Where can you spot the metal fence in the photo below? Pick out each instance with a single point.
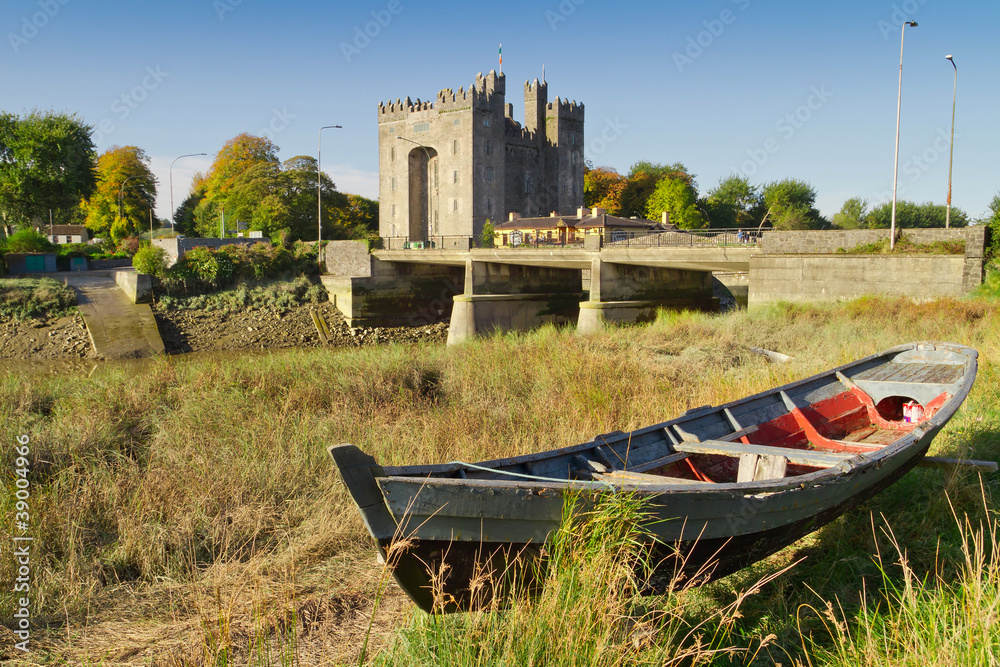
(616, 239)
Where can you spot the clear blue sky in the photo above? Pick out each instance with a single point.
(770, 89)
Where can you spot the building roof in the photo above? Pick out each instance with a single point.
(65, 230)
(605, 220)
(547, 222)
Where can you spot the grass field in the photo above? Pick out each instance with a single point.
(21, 298)
(187, 513)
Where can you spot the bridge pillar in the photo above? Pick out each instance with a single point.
(513, 297)
(371, 292)
(627, 293)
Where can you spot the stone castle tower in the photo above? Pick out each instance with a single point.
(448, 166)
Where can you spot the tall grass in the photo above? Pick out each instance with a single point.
(938, 619)
(589, 612)
(165, 491)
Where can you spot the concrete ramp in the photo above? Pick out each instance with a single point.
(118, 328)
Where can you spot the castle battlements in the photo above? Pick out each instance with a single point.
(479, 95)
(565, 109)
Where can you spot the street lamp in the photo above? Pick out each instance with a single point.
(427, 152)
(121, 193)
(895, 169)
(319, 193)
(172, 187)
(951, 150)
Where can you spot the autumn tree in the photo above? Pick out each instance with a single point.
(602, 188)
(243, 158)
(361, 215)
(46, 164)
(125, 194)
(641, 182)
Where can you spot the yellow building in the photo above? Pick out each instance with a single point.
(571, 230)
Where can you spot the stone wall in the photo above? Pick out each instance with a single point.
(830, 241)
(138, 287)
(840, 277)
(176, 247)
(780, 242)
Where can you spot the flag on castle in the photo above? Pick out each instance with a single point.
(500, 53)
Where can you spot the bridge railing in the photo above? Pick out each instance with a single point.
(689, 238)
(737, 237)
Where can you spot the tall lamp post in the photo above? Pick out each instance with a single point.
(319, 193)
(951, 150)
(895, 169)
(121, 194)
(172, 187)
(427, 152)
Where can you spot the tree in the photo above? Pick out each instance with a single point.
(184, 222)
(125, 178)
(641, 183)
(734, 202)
(361, 214)
(993, 220)
(911, 216)
(853, 214)
(790, 205)
(602, 188)
(678, 199)
(46, 164)
(278, 199)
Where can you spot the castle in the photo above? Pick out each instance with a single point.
(448, 166)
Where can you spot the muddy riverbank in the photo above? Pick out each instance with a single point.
(185, 331)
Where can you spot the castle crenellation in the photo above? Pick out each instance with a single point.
(449, 165)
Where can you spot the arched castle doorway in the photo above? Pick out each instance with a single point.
(423, 192)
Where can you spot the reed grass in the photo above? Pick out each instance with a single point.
(171, 492)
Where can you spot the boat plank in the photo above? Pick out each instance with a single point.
(794, 456)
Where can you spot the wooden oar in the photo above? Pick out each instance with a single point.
(941, 462)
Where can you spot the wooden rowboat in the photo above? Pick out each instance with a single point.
(727, 485)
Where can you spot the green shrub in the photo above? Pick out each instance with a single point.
(28, 240)
(150, 259)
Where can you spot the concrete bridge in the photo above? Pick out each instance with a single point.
(522, 288)
(596, 283)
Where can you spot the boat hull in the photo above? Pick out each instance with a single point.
(457, 534)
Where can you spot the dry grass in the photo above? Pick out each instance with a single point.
(187, 510)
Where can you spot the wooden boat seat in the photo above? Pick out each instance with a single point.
(626, 477)
(802, 457)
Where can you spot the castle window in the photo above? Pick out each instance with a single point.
(489, 147)
(527, 183)
(454, 147)
(456, 122)
(392, 154)
(489, 173)
(454, 205)
(486, 121)
(422, 127)
(393, 186)
(489, 205)
(455, 177)
(394, 210)
(574, 139)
